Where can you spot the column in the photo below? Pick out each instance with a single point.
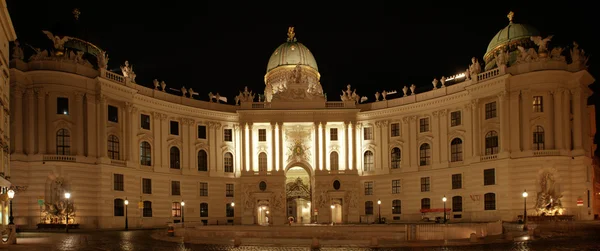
(343, 147)
(385, 149)
(238, 148)
(79, 129)
(280, 147)
(436, 142)
(548, 107)
(320, 143)
(468, 143)
(317, 144)
(134, 124)
(405, 133)
(92, 130)
(444, 143)
(566, 119)
(313, 137)
(186, 151)
(526, 106)
(219, 140)
(515, 122)
(504, 133)
(271, 147)
(192, 146)
(102, 117)
(324, 146)
(379, 148)
(359, 147)
(578, 110)
(156, 143)
(251, 147)
(17, 116)
(29, 122)
(247, 147)
(557, 113)
(351, 146)
(476, 128)
(41, 124)
(277, 147)
(414, 150)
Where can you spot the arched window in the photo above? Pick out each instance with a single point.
(425, 203)
(538, 138)
(262, 162)
(119, 206)
(425, 155)
(456, 153)
(396, 207)
(63, 142)
(203, 209)
(396, 157)
(174, 152)
(145, 154)
(491, 143)
(113, 147)
(368, 207)
(334, 162)
(457, 204)
(202, 161)
(368, 161)
(228, 163)
(147, 211)
(489, 201)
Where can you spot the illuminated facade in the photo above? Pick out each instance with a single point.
(479, 138)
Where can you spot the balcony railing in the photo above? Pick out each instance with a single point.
(489, 157)
(546, 152)
(66, 158)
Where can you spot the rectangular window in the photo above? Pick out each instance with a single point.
(333, 134)
(204, 210)
(489, 177)
(228, 190)
(489, 201)
(457, 204)
(368, 133)
(538, 104)
(203, 189)
(262, 135)
(119, 182)
(113, 114)
(396, 207)
(369, 207)
(456, 181)
(229, 210)
(202, 132)
(146, 186)
(227, 135)
(369, 188)
(490, 110)
(424, 125)
(147, 211)
(395, 129)
(425, 184)
(395, 186)
(62, 105)
(175, 188)
(176, 209)
(455, 118)
(174, 128)
(425, 203)
(145, 121)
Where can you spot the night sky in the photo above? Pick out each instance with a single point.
(222, 47)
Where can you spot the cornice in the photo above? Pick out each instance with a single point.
(206, 114)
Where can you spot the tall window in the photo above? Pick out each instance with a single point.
(456, 181)
(455, 119)
(262, 162)
(118, 182)
(491, 143)
(228, 163)
(395, 129)
(490, 110)
(456, 150)
(176, 209)
(396, 157)
(368, 133)
(368, 161)
(119, 206)
(227, 135)
(174, 128)
(203, 209)
(145, 154)
(424, 125)
(202, 132)
(369, 207)
(146, 186)
(333, 134)
(174, 152)
(113, 114)
(396, 207)
(113, 147)
(63, 142)
(145, 121)
(202, 161)
(228, 190)
(147, 211)
(175, 188)
(425, 184)
(62, 105)
(538, 138)
(538, 104)
(489, 201)
(395, 186)
(489, 177)
(334, 163)
(262, 135)
(203, 189)
(424, 155)
(229, 210)
(457, 204)
(369, 188)
(425, 203)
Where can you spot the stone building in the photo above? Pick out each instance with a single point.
(479, 138)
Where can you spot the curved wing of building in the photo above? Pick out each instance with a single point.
(478, 138)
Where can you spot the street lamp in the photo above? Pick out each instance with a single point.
(182, 212)
(126, 218)
(379, 205)
(11, 195)
(525, 209)
(332, 207)
(444, 200)
(67, 196)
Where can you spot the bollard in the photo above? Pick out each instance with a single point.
(237, 241)
(315, 243)
(473, 237)
(374, 242)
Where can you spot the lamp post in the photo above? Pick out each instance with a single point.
(444, 200)
(126, 217)
(67, 196)
(379, 205)
(11, 195)
(525, 209)
(332, 207)
(182, 212)
(233, 208)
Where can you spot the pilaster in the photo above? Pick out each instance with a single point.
(79, 129)
(41, 123)
(527, 107)
(504, 133)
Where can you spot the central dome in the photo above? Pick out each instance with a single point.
(291, 53)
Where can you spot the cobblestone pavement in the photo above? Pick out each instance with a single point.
(141, 240)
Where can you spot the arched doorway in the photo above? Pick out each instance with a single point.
(263, 213)
(298, 195)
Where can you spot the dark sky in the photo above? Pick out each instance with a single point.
(223, 47)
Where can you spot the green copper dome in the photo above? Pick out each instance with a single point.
(291, 53)
(510, 33)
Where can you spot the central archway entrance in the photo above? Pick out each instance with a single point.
(298, 195)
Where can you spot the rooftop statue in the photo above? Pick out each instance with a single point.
(291, 34)
(18, 51)
(526, 55)
(102, 60)
(156, 84)
(542, 43)
(443, 81)
(502, 58)
(434, 83)
(475, 67)
(59, 43)
(578, 55)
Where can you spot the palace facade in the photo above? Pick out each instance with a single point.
(520, 122)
